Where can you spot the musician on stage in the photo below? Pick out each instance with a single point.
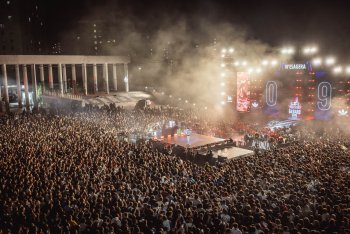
(188, 134)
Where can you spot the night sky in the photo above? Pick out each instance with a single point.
(326, 23)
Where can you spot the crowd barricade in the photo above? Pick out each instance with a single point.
(63, 95)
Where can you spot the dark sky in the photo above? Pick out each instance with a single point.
(326, 23)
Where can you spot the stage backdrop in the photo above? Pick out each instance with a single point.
(243, 92)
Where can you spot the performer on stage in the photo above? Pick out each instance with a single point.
(188, 134)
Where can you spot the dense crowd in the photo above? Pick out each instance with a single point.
(71, 174)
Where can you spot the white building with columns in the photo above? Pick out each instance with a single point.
(29, 63)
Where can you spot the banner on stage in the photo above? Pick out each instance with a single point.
(243, 92)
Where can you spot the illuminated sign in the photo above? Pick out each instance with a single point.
(294, 109)
(300, 66)
(255, 104)
(243, 92)
(342, 112)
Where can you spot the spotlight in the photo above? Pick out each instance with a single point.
(274, 62)
(317, 61)
(337, 69)
(265, 62)
(287, 50)
(330, 61)
(347, 70)
(310, 50)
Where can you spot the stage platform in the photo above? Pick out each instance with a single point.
(196, 140)
(232, 153)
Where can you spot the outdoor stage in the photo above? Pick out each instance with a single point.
(196, 140)
(219, 146)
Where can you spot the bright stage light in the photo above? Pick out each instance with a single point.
(313, 49)
(274, 62)
(287, 50)
(330, 61)
(310, 50)
(223, 51)
(306, 50)
(265, 62)
(347, 70)
(337, 69)
(231, 50)
(317, 61)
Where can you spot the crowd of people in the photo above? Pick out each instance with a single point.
(72, 174)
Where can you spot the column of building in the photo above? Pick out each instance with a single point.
(6, 94)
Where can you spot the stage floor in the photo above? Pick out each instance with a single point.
(196, 140)
(232, 153)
